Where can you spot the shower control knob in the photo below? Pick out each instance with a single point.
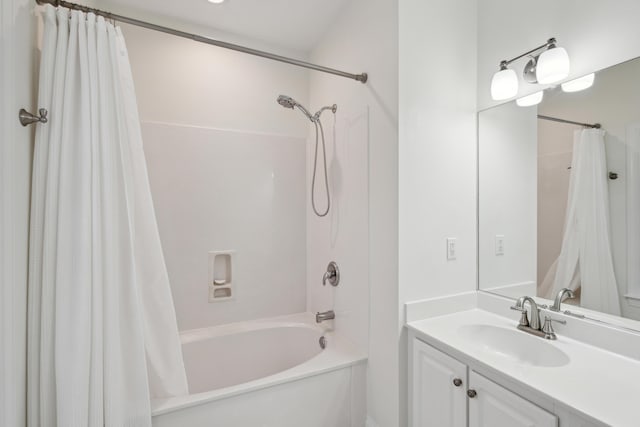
(332, 275)
(471, 393)
(457, 382)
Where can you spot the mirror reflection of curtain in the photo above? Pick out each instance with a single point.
(585, 260)
(633, 210)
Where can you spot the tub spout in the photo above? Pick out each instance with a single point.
(325, 315)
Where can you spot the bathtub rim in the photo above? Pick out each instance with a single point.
(339, 354)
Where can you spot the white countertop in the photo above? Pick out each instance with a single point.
(596, 383)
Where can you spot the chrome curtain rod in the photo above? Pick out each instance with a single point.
(74, 6)
(555, 119)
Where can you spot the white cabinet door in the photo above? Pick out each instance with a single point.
(495, 406)
(438, 388)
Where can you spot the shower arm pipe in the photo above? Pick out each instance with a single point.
(333, 109)
(363, 77)
(571, 122)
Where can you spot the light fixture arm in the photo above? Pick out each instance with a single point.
(551, 43)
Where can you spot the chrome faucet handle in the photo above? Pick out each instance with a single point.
(563, 294)
(547, 328)
(332, 275)
(524, 320)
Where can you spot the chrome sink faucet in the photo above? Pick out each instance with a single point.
(533, 326)
(534, 321)
(563, 294)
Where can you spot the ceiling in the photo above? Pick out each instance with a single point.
(293, 24)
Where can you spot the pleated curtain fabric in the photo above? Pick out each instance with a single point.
(586, 259)
(102, 332)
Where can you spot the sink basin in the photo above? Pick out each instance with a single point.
(515, 345)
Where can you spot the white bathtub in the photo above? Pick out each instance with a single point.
(270, 372)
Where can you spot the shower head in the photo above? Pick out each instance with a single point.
(288, 102)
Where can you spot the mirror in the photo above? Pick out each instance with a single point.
(559, 202)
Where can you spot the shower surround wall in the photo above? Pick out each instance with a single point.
(361, 231)
(227, 172)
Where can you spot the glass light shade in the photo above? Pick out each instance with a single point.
(530, 100)
(579, 84)
(553, 65)
(504, 85)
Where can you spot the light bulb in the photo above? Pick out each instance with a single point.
(530, 100)
(504, 85)
(581, 83)
(553, 65)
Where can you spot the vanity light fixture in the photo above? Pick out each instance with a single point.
(216, 1)
(581, 83)
(530, 100)
(504, 84)
(552, 65)
(548, 64)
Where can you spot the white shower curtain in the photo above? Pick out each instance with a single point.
(585, 258)
(102, 336)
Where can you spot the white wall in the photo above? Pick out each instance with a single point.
(437, 147)
(227, 168)
(595, 33)
(17, 84)
(437, 151)
(364, 39)
(507, 159)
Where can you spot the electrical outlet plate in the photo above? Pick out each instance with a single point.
(499, 245)
(452, 248)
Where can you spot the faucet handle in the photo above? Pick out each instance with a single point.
(549, 319)
(547, 328)
(524, 320)
(332, 275)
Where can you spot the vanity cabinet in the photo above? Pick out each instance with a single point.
(494, 406)
(446, 393)
(438, 389)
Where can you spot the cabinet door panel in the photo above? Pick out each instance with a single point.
(495, 406)
(437, 402)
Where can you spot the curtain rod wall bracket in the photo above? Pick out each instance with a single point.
(26, 118)
(362, 77)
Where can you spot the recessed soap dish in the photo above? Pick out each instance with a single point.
(220, 278)
(222, 293)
